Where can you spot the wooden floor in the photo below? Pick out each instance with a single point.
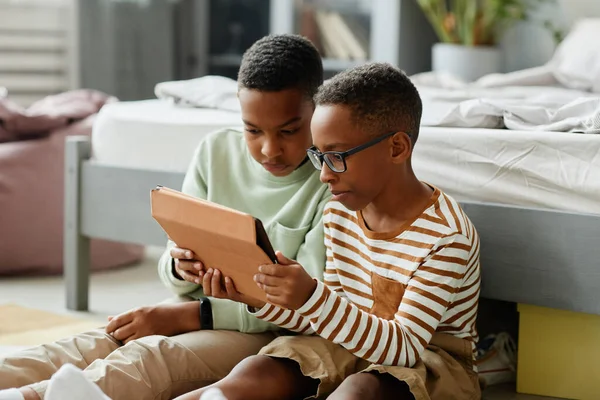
(508, 392)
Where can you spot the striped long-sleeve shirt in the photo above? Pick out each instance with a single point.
(385, 294)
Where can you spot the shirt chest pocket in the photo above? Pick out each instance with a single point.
(287, 240)
(387, 296)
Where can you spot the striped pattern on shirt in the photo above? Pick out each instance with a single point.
(434, 259)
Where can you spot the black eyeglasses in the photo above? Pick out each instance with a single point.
(336, 160)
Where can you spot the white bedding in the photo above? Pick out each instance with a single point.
(553, 170)
(563, 95)
(154, 134)
(517, 108)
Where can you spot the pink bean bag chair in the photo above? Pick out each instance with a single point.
(32, 145)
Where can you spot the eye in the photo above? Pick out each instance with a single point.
(289, 131)
(252, 131)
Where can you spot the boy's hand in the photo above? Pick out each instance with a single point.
(286, 284)
(214, 285)
(187, 265)
(162, 319)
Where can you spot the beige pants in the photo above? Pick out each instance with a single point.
(154, 367)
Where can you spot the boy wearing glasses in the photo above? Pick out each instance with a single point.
(395, 316)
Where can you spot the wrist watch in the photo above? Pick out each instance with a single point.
(206, 317)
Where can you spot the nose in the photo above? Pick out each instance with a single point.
(327, 175)
(271, 148)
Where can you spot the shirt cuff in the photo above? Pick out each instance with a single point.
(177, 281)
(314, 305)
(174, 271)
(262, 313)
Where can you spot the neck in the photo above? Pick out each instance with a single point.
(401, 201)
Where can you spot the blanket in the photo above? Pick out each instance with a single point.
(563, 95)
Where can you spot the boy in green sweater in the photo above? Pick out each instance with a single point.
(162, 351)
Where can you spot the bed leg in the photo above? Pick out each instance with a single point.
(76, 251)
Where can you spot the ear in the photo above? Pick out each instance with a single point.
(401, 148)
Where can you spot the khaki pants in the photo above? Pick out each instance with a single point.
(154, 367)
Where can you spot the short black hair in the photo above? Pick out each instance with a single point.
(279, 62)
(380, 96)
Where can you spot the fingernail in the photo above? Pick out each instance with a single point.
(255, 278)
(210, 271)
(198, 281)
(188, 254)
(217, 272)
(260, 269)
(201, 274)
(198, 266)
(227, 280)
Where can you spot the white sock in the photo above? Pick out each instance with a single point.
(11, 394)
(69, 382)
(213, 394)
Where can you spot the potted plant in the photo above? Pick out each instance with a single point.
(469, 31)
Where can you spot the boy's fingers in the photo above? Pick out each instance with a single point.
(130, 338)
(118, 321)
(187, 276)
(216, 284)
(272, 270)
(281, 259)
(232, 292)
(206, 282)
(267, 280)
(124, 332)
(182, 254)
(270, 290)
(188, 266)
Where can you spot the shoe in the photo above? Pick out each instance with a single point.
(497, 359)
(69, 382)
(11, 394)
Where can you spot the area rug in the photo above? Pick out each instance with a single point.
(22, 327)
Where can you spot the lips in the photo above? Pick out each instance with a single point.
(273, 167)
(338, 195)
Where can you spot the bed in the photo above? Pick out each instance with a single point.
(533, 196)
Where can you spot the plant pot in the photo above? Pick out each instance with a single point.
(466, 62)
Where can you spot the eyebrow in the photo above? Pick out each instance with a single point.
(291, 121)
(333, 146)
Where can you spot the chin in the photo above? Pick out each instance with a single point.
(351, 203)
(281, 174)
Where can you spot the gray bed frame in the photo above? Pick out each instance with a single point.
(532, 256)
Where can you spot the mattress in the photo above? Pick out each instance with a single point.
(552, 170)
(154, 134)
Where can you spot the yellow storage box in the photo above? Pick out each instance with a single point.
(559, 353)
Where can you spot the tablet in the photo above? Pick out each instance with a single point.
(222, 238)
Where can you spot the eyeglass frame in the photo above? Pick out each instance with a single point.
(344, 154)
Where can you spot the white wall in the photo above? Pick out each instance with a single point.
(529, 44)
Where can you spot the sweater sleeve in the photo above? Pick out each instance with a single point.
(194, 184)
